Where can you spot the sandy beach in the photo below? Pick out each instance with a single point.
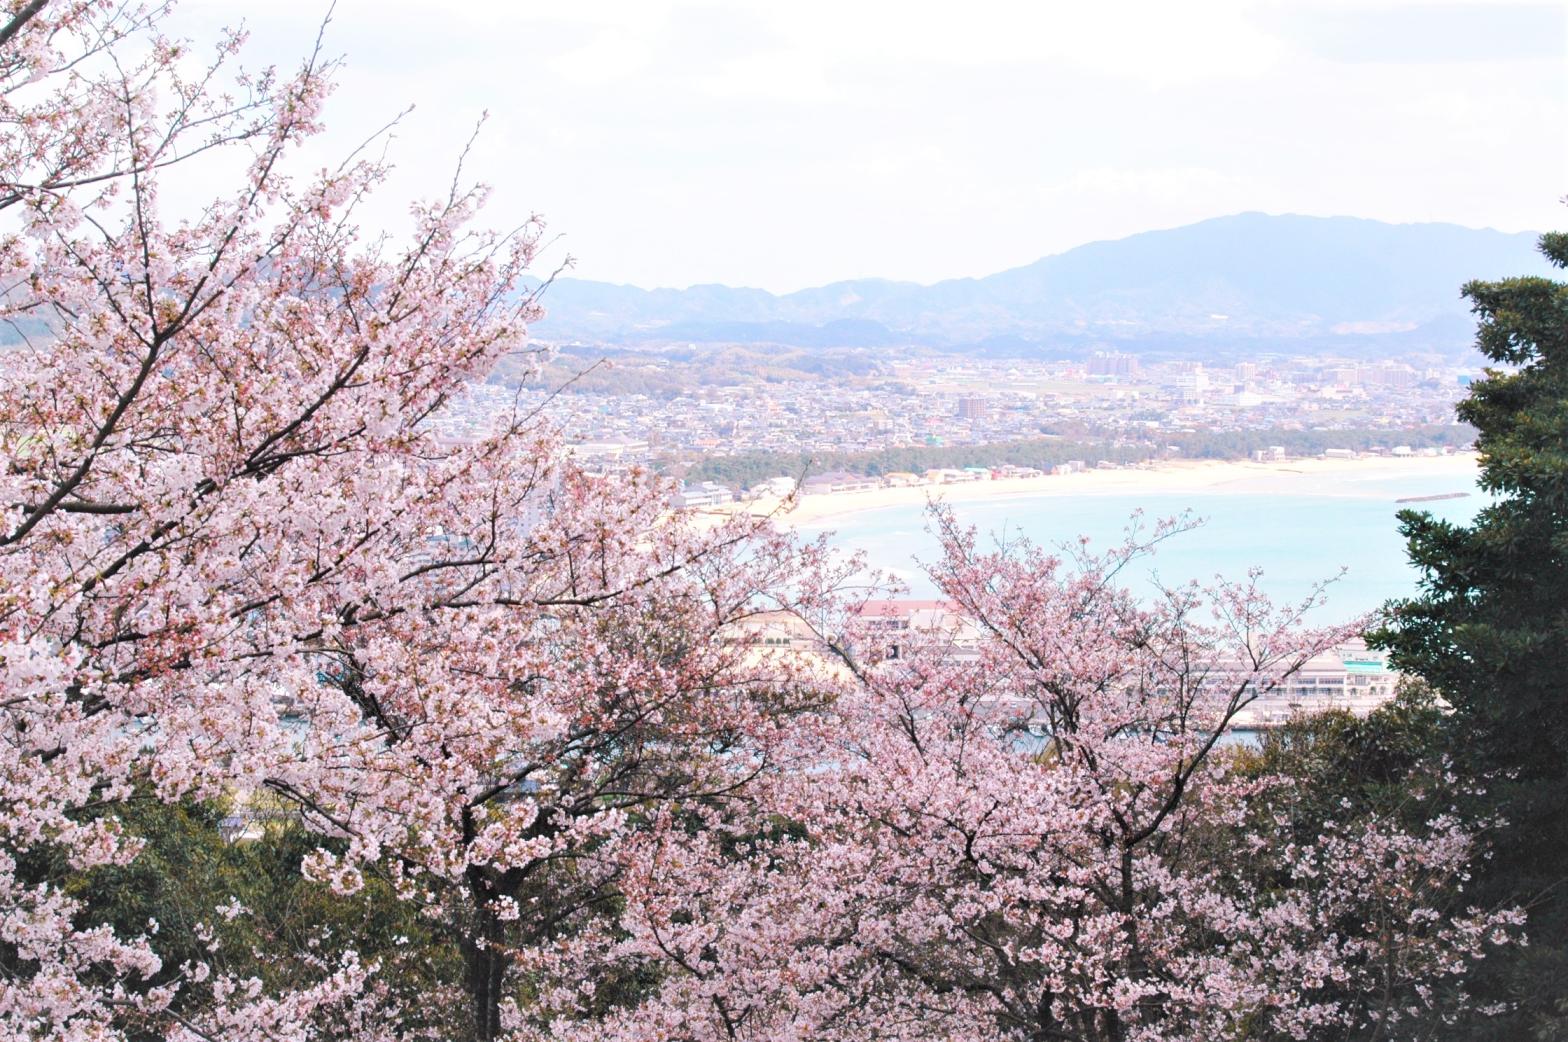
(1329, 477)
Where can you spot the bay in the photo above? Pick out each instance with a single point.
(1299, 532)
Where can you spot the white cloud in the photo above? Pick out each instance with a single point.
(788, 144)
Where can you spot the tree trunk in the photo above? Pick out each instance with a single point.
(485, 961)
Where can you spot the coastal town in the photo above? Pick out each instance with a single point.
(1125, 411)
(1389, 415)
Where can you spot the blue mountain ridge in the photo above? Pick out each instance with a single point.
(1246, 281)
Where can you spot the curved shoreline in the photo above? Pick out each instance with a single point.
(1325, 477)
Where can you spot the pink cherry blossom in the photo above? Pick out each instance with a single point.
(235, 559)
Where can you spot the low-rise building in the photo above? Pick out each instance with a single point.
(703, 494)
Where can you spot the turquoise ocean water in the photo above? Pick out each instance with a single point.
(1297, 534)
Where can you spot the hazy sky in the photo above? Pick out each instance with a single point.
(790, 144)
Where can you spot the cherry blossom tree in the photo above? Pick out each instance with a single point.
(238, 558)
(498, 763)
(1040, 837)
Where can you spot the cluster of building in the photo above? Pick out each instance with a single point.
(955, 401)
(1349, 677)
(844, 481)
(938, 401)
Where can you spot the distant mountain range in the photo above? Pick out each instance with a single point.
(1249, 282)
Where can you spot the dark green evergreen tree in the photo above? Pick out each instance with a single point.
(1489, 631)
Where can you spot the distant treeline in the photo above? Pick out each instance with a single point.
(1238, 444)
(748, 468)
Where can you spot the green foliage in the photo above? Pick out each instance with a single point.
(1385, 763)
(748, 468)
(1241, 444)
(1490, 628)
(1342, 771)
(291, 927)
